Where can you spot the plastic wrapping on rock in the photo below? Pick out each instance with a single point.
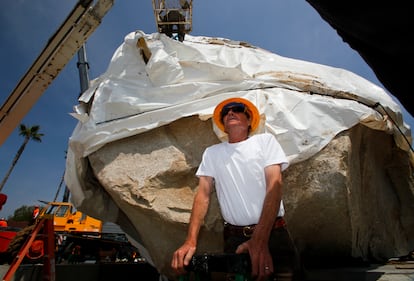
(305, 105)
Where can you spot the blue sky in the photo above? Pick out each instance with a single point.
(288, 28)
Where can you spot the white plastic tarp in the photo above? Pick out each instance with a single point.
(303, 104)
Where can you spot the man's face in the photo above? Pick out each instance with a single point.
(235, 114)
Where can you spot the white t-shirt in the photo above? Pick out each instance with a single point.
(238, 172)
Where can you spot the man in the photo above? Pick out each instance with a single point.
(247, 174)
(172, 18)
(35, 214)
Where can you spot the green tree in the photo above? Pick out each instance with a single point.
(28, 133)
(24, 213)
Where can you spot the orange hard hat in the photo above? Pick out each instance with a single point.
(251, 110)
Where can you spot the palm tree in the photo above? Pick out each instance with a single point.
(28, 133)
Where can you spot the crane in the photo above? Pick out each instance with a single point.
(173, 16)
(82, 21)
(70, 37)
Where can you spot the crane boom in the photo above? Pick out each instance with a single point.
(59, 50)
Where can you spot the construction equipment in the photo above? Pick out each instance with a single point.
(66, 219)
(80, 237)
(50, 270)
(77, 238)
(83, 20)
(61, 47)
(44, 228)
(173, 17)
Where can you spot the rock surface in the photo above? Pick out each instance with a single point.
(353, 199)
(143, 127)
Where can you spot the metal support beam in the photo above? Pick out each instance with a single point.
(61, 47)
(45, 226)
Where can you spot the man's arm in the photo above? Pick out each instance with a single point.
(271, 202)
(258, 245)
(183, 255)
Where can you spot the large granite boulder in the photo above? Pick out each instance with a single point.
(144, 124)
(353, 199)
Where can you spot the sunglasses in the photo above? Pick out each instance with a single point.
(236, 107)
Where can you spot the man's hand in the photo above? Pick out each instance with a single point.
(182, 257)
(262, 263)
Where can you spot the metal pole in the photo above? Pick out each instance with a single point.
(49, 264)
(83, 67)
